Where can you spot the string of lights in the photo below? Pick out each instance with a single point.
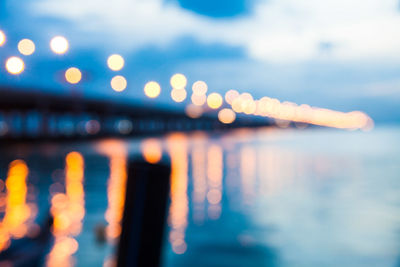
(227, 105)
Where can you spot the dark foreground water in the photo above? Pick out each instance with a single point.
(260, 197)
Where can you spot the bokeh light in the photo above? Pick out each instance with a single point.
(226, 115)
(249, 106)
(179, 246)
(152, 89)
(59, 45)
(26, 47)
(246, 96)
(178, 81)
(214, 100)
(73, 75)
(178, 95)
(286, 112)
(68, 212)
(199, 88)
(198, 100)
(214, 196)
(241, 103)
(116, 151)
(237, 105)
(257, 112)
(124, 126)
(115, 62)
(282, 123)
(2, 38)
(151, 150)
(92, 127)
(193, 111)
(17, 212)
(15, 65)
(230, 96)
(118, 83)
(178, 209)
(214, 180)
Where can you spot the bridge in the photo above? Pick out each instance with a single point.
(31, 114)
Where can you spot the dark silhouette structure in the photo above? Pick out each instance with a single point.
(144, 218)
(42, 116)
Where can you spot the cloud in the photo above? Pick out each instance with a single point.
(184, 49)
(384, 88)
(276, 31)
(334, 53)
(217, 9)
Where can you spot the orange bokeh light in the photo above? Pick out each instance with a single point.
(151, 150)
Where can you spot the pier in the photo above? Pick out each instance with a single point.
(33, 115)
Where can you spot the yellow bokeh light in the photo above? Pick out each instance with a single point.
(118, 83)
(214, 100)
(230, 96)
(226, 115)
(152, 89)
(178, 95)
(263, 106)
(237, 105)
(115, 62)
(73, 75)
(198, 100)
(199, 88)
(301, 115)
(178, 81)
(2, 38)
(257, 112)
(59, 45)
(249, 106)
(193, 111)
(26, 47)
(15, 65)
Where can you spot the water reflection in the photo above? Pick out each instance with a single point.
(276, 195)
(18, 214)
(178, 211)
(117, 153)
(68, 211)
(270, 168)
(198, 166)
(151, 150)
(214, 175)
(248, 172)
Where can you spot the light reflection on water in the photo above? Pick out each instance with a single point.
(199, 177)
(247, 198)
(117, 153)
(247, 172)
(68, 211)
(214, 181)
(18, 214)
(179, 207)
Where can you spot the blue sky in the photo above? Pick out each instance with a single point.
(339, 54)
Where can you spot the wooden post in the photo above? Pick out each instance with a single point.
(147, 193)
